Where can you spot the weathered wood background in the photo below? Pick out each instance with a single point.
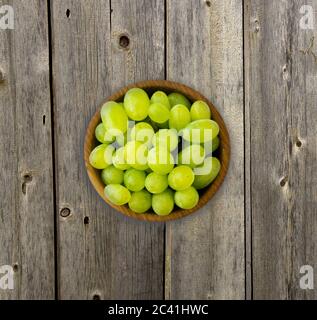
(251, 58)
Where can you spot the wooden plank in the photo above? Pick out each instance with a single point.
(112, 257)
(205, 252)
(26, 194)
(281, 98)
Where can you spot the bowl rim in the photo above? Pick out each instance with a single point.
(191, 94)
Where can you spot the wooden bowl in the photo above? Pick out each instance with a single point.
(223, 151)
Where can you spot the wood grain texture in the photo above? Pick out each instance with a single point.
(26, 192)
(167, 87)
(111, 257)
(205, 252)
(281, 99)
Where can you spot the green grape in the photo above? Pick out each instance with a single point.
(165, 138)
(136, 104)
(159, 113)
(112, 175)
(101, 156)
(206, 173)
(114, 118)
(119, 161)
(141, 201)
(160, 161)
(192, 155)
(186, 199)
(160, 97)
(163, 203)
(212, 145)
(121, 104)
(181, 178)
(100, 132)
(135, 154)
(142, 132)
(102, 135)
(179, 117)
(156, 183)
(199, 110)
(134, 179)
(201, 131)
(117, 194)
(177, 98)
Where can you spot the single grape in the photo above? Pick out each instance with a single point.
(177, 98)
(159, 113)
(142, 132)
(156, 183)
(199, 110)
(101, 156)
(141, 201)
(114, 118)
(212, 145)
(135, 154)
(112, 175)
(163, 203)
(160, 160)
(165, 138)
(206, 173)
(181, 178)
(136, 104)
(186, 199)
(119, 161)
(117, 194)
(201, 131)
(100, 132)
(179, 117)
(102, 135)
(160, 97)
(134, 179)
(192, 155)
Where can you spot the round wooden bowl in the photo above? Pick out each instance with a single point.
(223, 152)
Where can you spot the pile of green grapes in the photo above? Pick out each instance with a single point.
(156, 152)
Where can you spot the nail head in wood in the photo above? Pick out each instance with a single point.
(257, 26)
(124, 41)
(65, 212)
(27, 178)
(1, 75)
(299, 144)
(283, 181)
